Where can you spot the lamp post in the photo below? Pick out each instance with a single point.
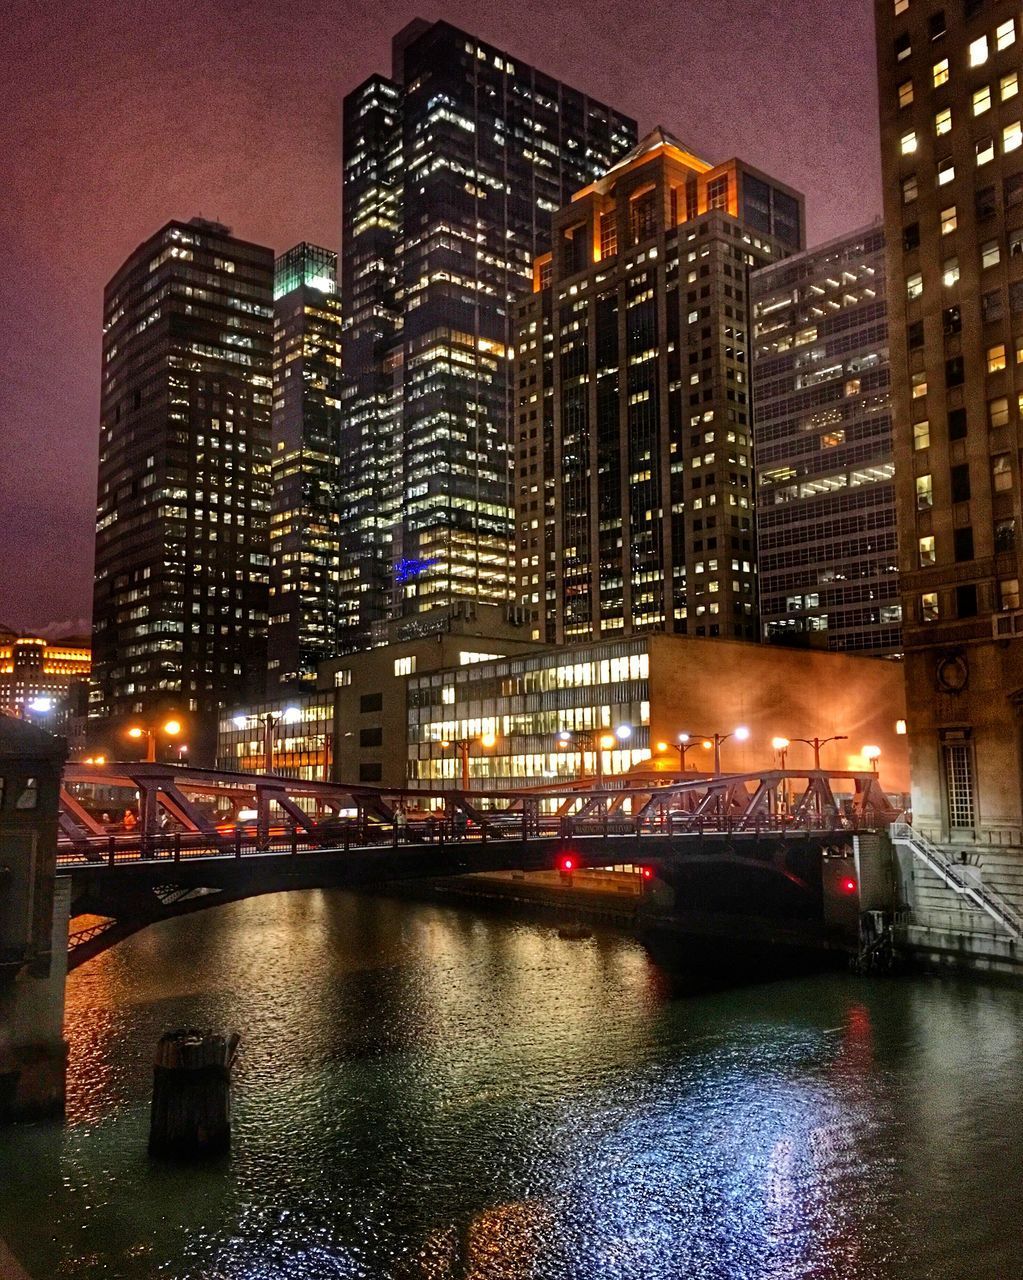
(873, 754)
(171, 728)
(817, 743)
(741, 733)
(682, 744)
(598, 744)
(269, 720)
(463, 746)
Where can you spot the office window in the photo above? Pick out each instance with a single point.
(924, 493)
(959, 479)
(954, 371)
(966, 601)
(977, 51)
(959, 785)
(1001, 473)
(982, 100)
(906, 93)
(948, 220)
(1012, 190)
(985, 203)
(962, 543)
(990, 254)
(957, 424)
(929, 606)
(984, 149)
(405, 666)
(1005, 33)
(910, 190)
(914, 285)
(1008, 86)
(1008, 593)
(342, 678)
(939, 73)
(998, 412)
(911, 237)
(907, 143)
(371, 702)
(946, 171)
(903, 47)
(915, 335)
(926, 549)
(918, 383)
(937, 26)
(921, 435)
(950, 272)
(371, 737)
(1005, 534)
(943, 121)
(991, 306)
(901, 6)
(996, 358)
(1012, 137)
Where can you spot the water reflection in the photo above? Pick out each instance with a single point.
(425, 1093)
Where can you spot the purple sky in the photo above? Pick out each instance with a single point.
(119, 116)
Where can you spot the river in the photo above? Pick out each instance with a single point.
(424, 1092)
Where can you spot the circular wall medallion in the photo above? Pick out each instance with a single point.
(953, 674)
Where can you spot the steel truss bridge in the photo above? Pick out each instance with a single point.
(205, 837)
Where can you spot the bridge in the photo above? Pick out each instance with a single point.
(777, 842)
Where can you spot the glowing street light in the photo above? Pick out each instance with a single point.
(589, 740)
(817, 743)
(740, 733)
(873, 754)
(41, 705)
(171, 728)
(781, 745)
(682, 744)
(463, 746)
(269, 720)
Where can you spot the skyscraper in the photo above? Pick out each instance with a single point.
(179, 612)
(452, 170)
(822, 438)
(305, 519)
(952, 152)
(634, 466)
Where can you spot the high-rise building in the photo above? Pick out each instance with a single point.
(305, 518)
(952, 150)
(179, 612)
(452, 170)
(634, 465)
(822, 439)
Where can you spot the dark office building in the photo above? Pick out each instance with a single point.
(305, 518)
(179, 612)
(822, 437)
(452, 171)
(634, 463)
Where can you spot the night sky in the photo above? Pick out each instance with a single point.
(119, 116)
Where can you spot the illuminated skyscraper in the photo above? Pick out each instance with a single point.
(822, 437)
(305, 459)
(452, 170)
(179, 612)
(952, 155)
(634, 463)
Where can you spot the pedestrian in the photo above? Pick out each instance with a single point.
(129, 821)
(400, 824)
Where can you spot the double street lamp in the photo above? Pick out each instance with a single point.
(269, 720)
(597, 741)
(171, 728)
(782, 745)
(682, 744)
(463, 746)
(740, 734)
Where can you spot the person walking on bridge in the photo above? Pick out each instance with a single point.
(400, 824)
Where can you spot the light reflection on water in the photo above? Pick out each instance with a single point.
(425, 1094)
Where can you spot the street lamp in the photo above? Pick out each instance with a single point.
(781, 745)
(682, 744)
(740, 733)
(269, 720)
(590, 741)
(463, 746)
(873, 754)
(817, 743)
(171, 728)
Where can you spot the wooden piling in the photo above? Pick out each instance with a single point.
(191, 1112)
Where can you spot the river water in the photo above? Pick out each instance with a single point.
(424, 1092)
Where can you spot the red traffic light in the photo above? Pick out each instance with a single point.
(647, 873)
(848, 885)
(567, 863)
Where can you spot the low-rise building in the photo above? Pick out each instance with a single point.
(43, 680)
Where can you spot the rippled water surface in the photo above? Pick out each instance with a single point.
(424, 1092)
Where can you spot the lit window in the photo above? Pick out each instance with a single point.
(405, 666)
(946, 171)
(924, 493)
(985, 150)
(978, 51)
(1019, 350)
(1012, 137)
(921, 435)
(914, 285)
(903, 47)
(1009, 85)
(950, 272)
(901, 6)
(1005, 33)
(929, 606)
(908, 143)
(996, 358)
(909, 189)
(906, 93)
(1008, 593)
(919, 385)
(990, 253)
(948, 220)
(998, 412)
(1001, 473)
(342, 678)
(926, 548)
(943, 121)
(982, 100)
(940, 73)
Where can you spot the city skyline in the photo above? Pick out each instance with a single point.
(206, 163)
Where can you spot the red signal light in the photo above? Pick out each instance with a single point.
(848, 885)
(647, 873)
(567, 863)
